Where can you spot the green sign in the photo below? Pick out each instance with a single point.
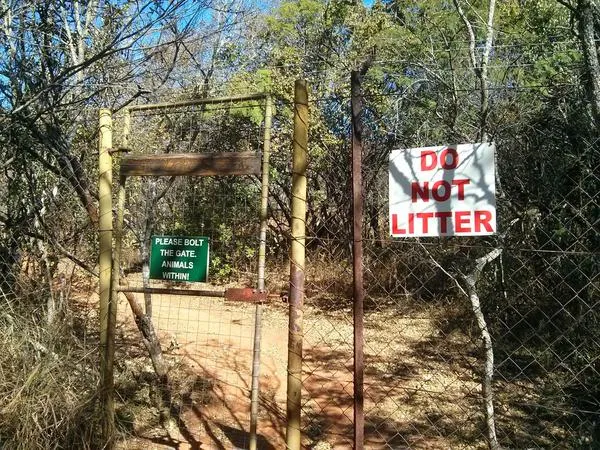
(179, 258)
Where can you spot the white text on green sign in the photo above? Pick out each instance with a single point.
(179, 258)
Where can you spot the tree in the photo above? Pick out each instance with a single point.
(64, 56)
(586, 13)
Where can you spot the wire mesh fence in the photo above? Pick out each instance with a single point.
(424, 354)
(425, 358)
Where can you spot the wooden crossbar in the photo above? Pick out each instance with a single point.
(198, 101)
(191, 164)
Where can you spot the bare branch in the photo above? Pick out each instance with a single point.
(471, 33)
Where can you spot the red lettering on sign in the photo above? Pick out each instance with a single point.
(448, 159)
(435, 191)
(462, 220)
(444, 159)
(440, 190)
(428, 165)
(461, 186)
(443, 216)
(416, 190)
(425, 216)
(446, 222)
(411, 223)
(395, 229)
(483, 218)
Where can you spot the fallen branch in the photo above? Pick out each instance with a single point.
(149, 339)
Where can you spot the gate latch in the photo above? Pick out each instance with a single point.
(248, 295)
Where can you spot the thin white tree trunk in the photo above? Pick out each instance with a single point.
(480, 68)
(470, 281)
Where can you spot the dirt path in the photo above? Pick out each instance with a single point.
(412, 389)
(209, 343)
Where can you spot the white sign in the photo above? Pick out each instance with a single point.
(443, 191)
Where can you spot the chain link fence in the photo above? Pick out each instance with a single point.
(424, 356)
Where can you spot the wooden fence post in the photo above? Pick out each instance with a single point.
(297, 255)
(105, 262)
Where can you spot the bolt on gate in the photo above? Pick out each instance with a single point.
(186, 213)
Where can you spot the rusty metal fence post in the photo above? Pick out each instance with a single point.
(357, 259)
(297, 255)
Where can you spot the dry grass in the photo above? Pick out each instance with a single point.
(48, 382)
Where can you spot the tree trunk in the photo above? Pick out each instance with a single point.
(480, 67)
(67, 165)
(585, 16)
(470, 281)
(488, 368)
(71, 169)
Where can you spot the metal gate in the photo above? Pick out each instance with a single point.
(190, 172)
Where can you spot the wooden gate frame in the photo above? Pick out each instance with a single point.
(185, 164)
